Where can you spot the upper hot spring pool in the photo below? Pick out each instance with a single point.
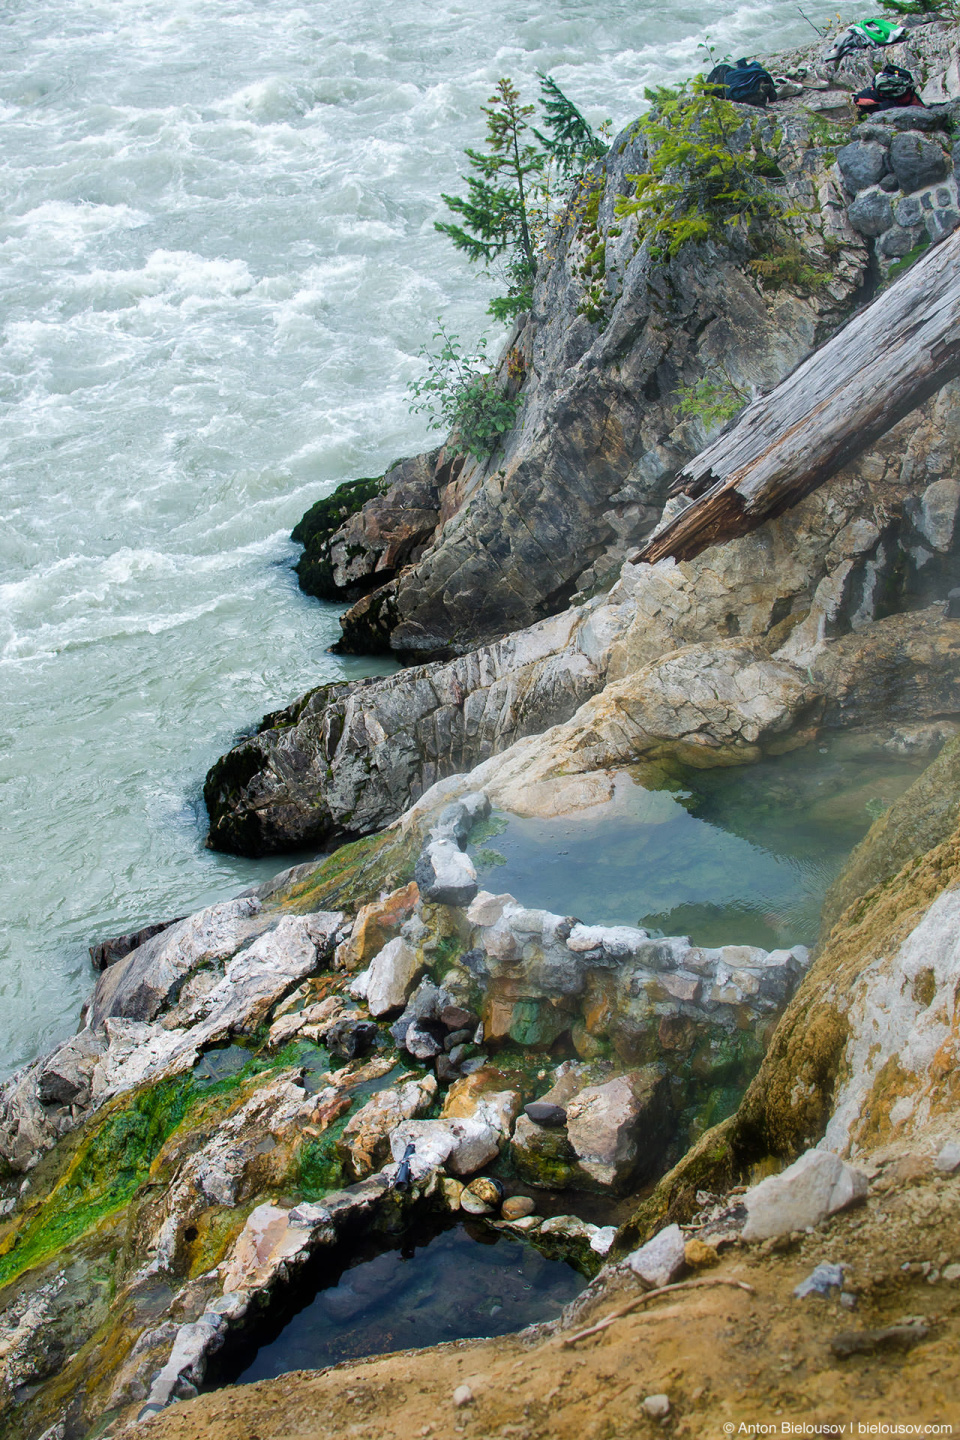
(727, 856)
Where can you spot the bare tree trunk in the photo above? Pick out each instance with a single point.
(879, 367)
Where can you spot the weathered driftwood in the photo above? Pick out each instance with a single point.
(883, 364)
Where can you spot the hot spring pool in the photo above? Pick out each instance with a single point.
(465, 1282)
(727, 856)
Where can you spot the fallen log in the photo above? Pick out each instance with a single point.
(884, 363)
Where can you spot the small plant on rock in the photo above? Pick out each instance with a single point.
(714, 399)
(708, 171)
(461, 393)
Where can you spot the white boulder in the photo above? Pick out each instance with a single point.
(815, 1186)
(391, 977)
(660, 1261)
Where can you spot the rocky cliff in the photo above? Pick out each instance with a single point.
(615, 334)
(559, 510)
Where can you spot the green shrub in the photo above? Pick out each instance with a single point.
(461, 393)
(708, 171)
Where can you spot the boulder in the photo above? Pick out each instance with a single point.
(541, 1112)
(661, 1260)
(897, 242)
(871, 213)
(518, 1207)
(917, 162)
(367, 530)
(391, 977)
(349, 1037)
(445, 875)
(485, 1095)
(421, 1043)
(862, 164)
(620, 1129)
(462, 1145)
(815, 1186)
(616, 1132)
(423, 1010)
(375, 924)
(150, 978)
(913, 117)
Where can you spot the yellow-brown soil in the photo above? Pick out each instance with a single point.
(728, 1361)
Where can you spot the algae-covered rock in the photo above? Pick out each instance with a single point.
(616, 1132)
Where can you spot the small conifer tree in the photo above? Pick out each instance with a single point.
(573, 144)
(495, 209)
(511, 185)
(708, 169)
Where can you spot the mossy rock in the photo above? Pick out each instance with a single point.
(353, 875)
(920, 819)
(325, 517)
(318, 526)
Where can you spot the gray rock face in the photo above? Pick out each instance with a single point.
(862, 164)
(213, 975)
(66, 1077)
(871, 213)
(917, 162)
(815, 1186)
(350, 758)
(347, 759)
(582, 478)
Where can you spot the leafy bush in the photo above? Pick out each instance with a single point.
(461, 394)
(708, 169)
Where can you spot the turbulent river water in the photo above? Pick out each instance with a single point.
(218, 264)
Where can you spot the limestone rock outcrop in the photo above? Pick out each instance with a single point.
(348, 759)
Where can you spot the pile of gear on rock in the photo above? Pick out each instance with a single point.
(746, 82)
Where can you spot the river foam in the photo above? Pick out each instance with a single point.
(218, 264)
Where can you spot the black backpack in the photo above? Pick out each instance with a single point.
(746, 83)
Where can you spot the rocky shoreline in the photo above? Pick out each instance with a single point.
(373, 1038)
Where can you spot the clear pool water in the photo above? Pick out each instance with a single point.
(466, 1282)
(741, 856)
